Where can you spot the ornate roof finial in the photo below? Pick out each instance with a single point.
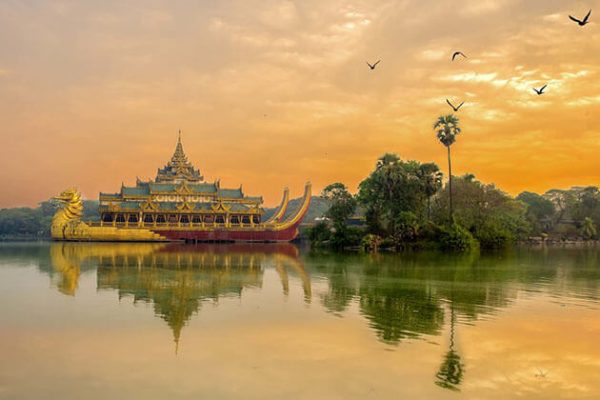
(178, 168)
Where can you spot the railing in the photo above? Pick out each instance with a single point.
(162, 225)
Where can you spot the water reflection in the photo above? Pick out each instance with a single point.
(450, 374)
(176, 279)
(428, 307)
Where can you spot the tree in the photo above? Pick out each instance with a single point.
(539, 209)
(342, 204)
(489, 214)
(447, 128)
(588, 229)
(396, 187)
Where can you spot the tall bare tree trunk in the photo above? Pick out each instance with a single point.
(450, 182)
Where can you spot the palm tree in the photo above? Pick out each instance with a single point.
(446, 128)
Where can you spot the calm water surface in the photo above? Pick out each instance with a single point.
(145, 321)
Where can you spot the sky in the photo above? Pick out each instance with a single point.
(270, 94)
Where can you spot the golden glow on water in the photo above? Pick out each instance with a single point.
(268, 321)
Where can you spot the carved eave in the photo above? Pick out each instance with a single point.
(186, 206)
(149, 206)
(220, 207)
(183, 188)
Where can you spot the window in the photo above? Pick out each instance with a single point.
(148, 218)
(209, 219)
(107, 218)
(256, 219)
(172, 218)
(120, 218)
(246, 219)
(184, 219)
(160, 219)
(133, 218)
(234, 219)
(220, 219)
(196, 219)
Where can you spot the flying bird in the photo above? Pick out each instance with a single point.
(458, 53)
(540, 91)
(452, 105)
(583, 22)
(372, 66)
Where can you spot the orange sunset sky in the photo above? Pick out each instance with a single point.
(274, 93)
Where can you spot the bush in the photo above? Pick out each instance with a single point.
(492, 235)
(347, 237)
(455, 238)
(319, 233)
(406, 227)
(370, 243)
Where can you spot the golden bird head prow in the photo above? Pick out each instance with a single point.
(67, 195)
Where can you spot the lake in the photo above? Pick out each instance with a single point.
(241, 321)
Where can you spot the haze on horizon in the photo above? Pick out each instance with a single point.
(271, 94)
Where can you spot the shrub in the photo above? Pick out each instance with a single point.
(347, 237)
(319, 233)
(370, 243)
(454, 237)
(492, 235)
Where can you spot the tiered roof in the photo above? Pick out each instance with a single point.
(179, 169)
(179, 178)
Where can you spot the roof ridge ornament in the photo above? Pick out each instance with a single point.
(179, 168)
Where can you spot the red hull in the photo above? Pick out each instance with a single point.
(225, 235)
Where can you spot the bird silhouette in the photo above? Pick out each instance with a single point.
(372, 66)
(583, 22)
(540, 91)
(452, 105)
(458, 53)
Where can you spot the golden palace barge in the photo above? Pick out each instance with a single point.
(178, 205)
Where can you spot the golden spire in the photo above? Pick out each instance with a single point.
(179, 168)
(179, 156)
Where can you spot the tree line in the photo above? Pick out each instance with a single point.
(405, 204)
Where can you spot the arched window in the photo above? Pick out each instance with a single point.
(173, 218)
(220, 219)
(133, 218)
(234, 219)
(209, 219)
(256, 219)
(120, 219)
(107, 217)
(196, 219)
(148, 218)
(160, 219)
(246, 219)
(184, 219)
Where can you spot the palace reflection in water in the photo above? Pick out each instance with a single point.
(429, 298)
(176, 279)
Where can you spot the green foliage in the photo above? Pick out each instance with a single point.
(446, 128)
(395, 187)
(406, 227)
(493, 217)
(370, 243)
(540, 211)
(492, 235)
(34, 223)
(345, 238)
(20, 222)
(454, 237)
(588, 229)
(319, 233)
(341, 204)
